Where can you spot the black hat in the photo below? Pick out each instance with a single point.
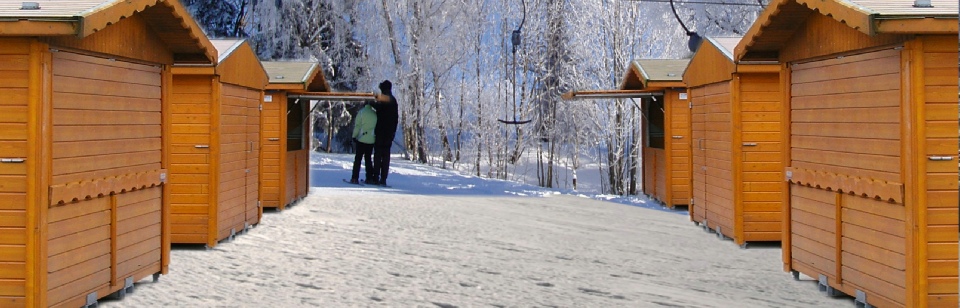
(386, 86)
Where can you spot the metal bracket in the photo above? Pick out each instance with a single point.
(861, 300)
(128, 284)
(824, 286)
(273, 139)
(91, 300)
(749, 144)
(677, 137)
(12, 160)
(202, 146)
(940, 158)
(127, 288)
(163, 177)
(789, 175)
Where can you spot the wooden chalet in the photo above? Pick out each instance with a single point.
(285, 134)
(215, 145)
(737, 168)
(84, 147)
(662, 95)
(870, 141)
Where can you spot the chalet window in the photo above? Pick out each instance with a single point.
(653, 116)
(296, 112)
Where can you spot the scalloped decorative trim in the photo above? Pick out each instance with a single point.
(98, 188)
(853, 185)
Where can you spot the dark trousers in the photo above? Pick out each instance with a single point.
(363, 153)
(381, 159)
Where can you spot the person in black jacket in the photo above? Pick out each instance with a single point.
(386, 130)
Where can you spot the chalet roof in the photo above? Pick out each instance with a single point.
(726, 45)
(168, 18)
(781, 18)
(290, 75)
(646, 73)
(714, 62)
(225, 47)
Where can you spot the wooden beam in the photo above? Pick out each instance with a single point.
(193, 70)
(758, 68)
(286, 86)
(665, 84)
(918, 26)
(39, 27)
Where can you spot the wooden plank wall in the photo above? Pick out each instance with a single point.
(813, 234)
(189, 165)
(940, 77)
(118, 38)
(138, 221)
(846, 121)
(272, 148)
(822, 36)
(655, 171)
(14, 83)
(679, 179)
(660, 159)
(290, 177)
(234, 147)
(650, 173)
(106, 123)
(303, 167)
(717, 137)
(762, 167)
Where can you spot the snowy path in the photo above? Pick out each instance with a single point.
(442, 240)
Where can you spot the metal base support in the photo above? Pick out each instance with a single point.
(91, 300)
(861, 300)
(825, 287)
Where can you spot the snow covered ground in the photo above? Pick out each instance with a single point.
(440, 239)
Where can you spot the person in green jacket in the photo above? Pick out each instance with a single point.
(363, 140)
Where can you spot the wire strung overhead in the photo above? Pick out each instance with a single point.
(759, 2)
(515, 40)
(695, 38)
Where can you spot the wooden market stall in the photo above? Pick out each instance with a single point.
(661, 95)
(737, 168)
(870, 144)
(285, 131)
(215, 145)
(83, 145)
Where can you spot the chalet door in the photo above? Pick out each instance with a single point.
(106, 136)
(845, 124)
(698, 132)
(678, 165)
(253, 210)
(234, 147)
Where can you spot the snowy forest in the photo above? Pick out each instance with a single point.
(461, 68)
